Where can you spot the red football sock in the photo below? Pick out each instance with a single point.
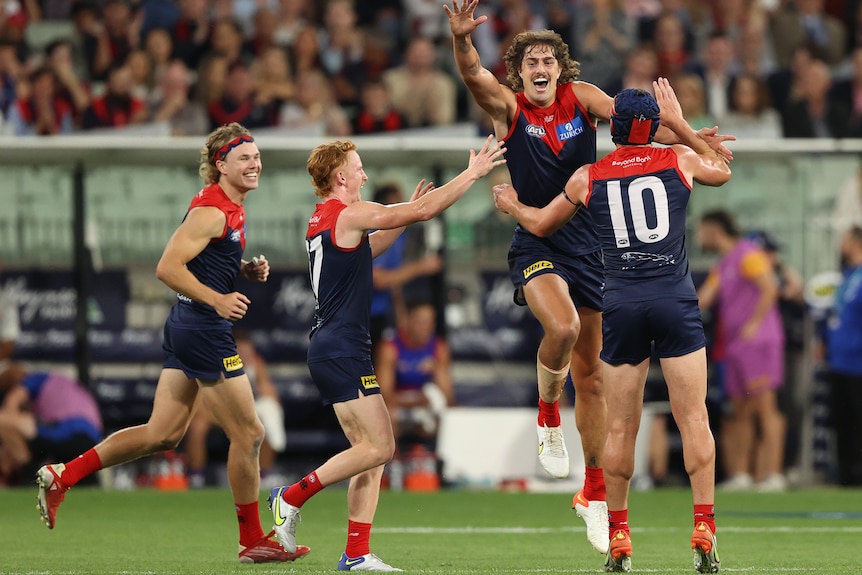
(248, 516)
(705, 513)
(358, 536)
(303, 490)
(618, 520)
(85, 464)
(549, 414)
(594, 484)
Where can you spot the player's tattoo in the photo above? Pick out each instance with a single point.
(474, 68)
(592, 462)
(462, 44)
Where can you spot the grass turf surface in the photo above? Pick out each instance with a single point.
(450, 532)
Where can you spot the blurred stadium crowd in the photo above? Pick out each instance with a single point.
(758, 68)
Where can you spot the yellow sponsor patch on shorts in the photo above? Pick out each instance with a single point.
(369, 381)
(540, 265)
(232, 363)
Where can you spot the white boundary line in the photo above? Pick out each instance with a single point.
(546, 530)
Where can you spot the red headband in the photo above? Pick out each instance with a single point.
(225, 150)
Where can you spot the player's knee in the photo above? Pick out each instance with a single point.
(563, 332)
(168, 440)
(702, 455)
(588, 379)
(383, 450)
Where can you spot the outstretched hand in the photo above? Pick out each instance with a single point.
(421, 189)
(668, 103)
(504, 197)
(461, 20)
(488, 158)
(716, 142)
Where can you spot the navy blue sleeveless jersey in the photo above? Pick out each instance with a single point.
(219, 264)
(341, 281)
(638, 200)
(545, 147)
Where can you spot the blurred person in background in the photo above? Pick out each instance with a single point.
(788, 84)
(117, 108)
(751, 116)
(849, 93)
(143, 77)
(419, 89)
(41, 110)
(275, 86)
(290, 20)
(269, 410)
(201, 263)
(66, 415)
(641, 68)
(11, 72)
(159, 47)
(718, 71)
(314, 111)
(804, 23)
(414, 369)
(211, 79)
(17, 428)
(602, 41)
(239, 102)
(59, 57)
(692, 98)
(377, 113)
(170, 103)
(92, 38)
(670, 45)
(341, 52)
(122, 28)
(393, 270)
(744, 288)
(191, 32)
(228, 42)
(843, 355)
(814, 113)
(262, 37)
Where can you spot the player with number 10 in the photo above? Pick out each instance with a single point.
(637, 197)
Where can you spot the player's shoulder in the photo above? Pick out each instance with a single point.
(324, 216)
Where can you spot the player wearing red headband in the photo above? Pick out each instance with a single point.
(201, 263)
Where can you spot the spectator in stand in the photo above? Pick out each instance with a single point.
(306, 51)
(314, 111)
(420, 90)
(849, 93)
(692, 98)
(159, 47)
(41, 110)
(341, 47)
(275, 86)
(11, 72)
(414, 370)
(640, 70)
(377, 114)
(117, 108)
(191, 33)
(92, 38)
(844, 358)
(227, 41)
(58, 57)
(602, 40)
(814, 114)
(787, 84)
(211, 79)
(670, 45)
(143, 78)
(122, 28)
(424, 18)
(239, 102)
(170, 103)
(717, 73)
(290, 20)
(17, 428)
(804, 23)
(263, 35)
(751, 116)
(754, 46)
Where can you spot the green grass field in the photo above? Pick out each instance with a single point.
(452, 532)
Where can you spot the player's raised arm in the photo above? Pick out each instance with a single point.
(359, 217)
(698, 160)
(541, 222)
(491, 96)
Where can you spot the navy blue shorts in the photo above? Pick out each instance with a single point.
(630, 328)
(584, 274)
(202, 353)
(344, 378)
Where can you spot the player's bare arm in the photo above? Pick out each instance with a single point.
(359, 217)
(497, 100)
(697, 159)
(594, 99)
(541, 222)
(381, 240)
(194, 234)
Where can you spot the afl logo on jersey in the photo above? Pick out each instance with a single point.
(569, 130)
(535, 131)
(235, 235)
